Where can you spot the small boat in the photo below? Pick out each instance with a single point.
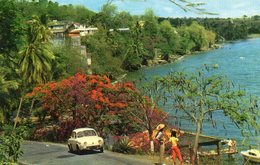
(252, 155)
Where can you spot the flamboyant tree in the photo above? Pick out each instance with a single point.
(91, 100)
(148, 117)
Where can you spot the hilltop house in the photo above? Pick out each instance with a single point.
(74, 31)
(58, 29)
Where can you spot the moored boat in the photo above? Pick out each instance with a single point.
(252, 155)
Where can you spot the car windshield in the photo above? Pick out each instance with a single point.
(86, 133)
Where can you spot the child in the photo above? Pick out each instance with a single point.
(175, 149)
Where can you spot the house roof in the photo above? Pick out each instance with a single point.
(78, 30)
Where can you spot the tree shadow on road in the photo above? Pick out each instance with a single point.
(72, 154)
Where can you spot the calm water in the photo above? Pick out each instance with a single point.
(239, 61)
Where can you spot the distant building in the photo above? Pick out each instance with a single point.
(58, 29)
(82, 31)
(73, 32)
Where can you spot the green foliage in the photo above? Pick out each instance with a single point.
(10, 144)
(123, 19)
(195, 38)
(105, 17)
(36, 54)
(7, 85)
(11, 27)
(122, 146)
(68, 61)
(105, 60)
(171, 37)
(186, 44)
(225, 28)
(150, 31)
(55, 11)
(151, 27)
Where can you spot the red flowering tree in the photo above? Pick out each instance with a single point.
(93, 101)
(147, 115)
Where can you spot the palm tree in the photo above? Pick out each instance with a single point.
(36, 55)
(5, 87)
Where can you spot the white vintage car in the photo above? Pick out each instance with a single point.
(85, 139)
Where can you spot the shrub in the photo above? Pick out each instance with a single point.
(122, 146)
(49, 133)
(57, 133)
(10, 144)
(140, 142)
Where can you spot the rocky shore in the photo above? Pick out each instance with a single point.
(172, 58)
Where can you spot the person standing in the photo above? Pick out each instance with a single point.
(175, 149)
(160, 138)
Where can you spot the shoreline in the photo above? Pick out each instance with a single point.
(176, 57)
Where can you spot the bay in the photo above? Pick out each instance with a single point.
(239, 61)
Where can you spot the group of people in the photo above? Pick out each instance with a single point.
(173, 140)
(175, 150)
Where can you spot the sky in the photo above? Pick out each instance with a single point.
(164, 8)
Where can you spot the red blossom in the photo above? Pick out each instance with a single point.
(84, 99)
(97, 106)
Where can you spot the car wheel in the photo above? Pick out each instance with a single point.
(78, 150)
(102, 149)
(70, 148)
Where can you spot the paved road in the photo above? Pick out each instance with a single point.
(36, 153)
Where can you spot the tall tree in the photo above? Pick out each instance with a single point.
(106, 16)
(36, 55)
(198, 96)
(135, 53)
(150, 32)
(171, 37)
